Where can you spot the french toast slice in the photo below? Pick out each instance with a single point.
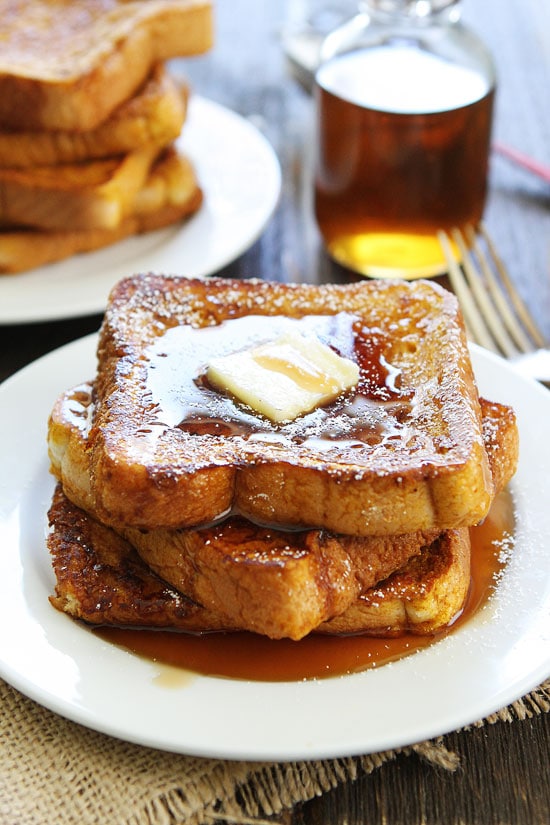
(67, 66)
(170, 194)
(153, 117)
(424, 596)
(403, 452)
(95, 194)
(101, 580)
(278, 583)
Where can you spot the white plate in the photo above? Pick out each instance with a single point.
(499, 655)
(240, 175)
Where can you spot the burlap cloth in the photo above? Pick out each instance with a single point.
(57, 772)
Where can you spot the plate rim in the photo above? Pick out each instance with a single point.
(290, 694)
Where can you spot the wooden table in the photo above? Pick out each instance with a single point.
(504, 776)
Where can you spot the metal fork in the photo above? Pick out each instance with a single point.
(495, 316)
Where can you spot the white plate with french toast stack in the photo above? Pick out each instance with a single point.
(496, 654)
(239, 175)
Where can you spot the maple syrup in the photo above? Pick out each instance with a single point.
(403, 131)
(253, 657)
(373, 412)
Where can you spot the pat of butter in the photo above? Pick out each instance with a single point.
(284, 378)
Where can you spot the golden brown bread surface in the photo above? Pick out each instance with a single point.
(101, 580)
(169, 194)
(154, 116)
(287, 583)
(279, 583)
(95, 194)
(404, 453)
(501, 439)
(422, 597)
(67, 65)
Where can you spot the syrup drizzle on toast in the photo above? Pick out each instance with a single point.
(375, 412)
(249, 656)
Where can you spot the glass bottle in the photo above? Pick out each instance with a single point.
(404, 99)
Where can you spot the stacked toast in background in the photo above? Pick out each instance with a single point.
(89, 118)
(179, 504)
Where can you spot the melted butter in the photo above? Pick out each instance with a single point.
(300, 371)
(289, 361)
(375, 411)
(284, 378)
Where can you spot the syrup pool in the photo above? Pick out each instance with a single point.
(252, 657)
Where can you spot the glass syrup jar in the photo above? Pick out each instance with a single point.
(404, 99)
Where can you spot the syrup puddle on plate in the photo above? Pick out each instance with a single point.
(181, 656)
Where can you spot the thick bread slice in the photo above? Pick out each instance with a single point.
(272, 582)
(67, 66)
(94, 194)
(170, 194)
(72, 415)
(281, 584)
(101, 580)
(403, 453)
(501, 439)
(424, 596)
(154, 116)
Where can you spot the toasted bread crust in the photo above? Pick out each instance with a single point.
(170, 194)
(101, 580)
(92, 195)
(278, 583)
(69, 65)
(154, 116)
(423, 597)
(176, 479)
(501, 439)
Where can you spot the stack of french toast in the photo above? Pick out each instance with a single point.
(89, 119)
(280, 459)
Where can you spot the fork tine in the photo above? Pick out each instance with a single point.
(475, 324)
(495, 315)
(503, 307)
(475, 280)
(519, 306)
